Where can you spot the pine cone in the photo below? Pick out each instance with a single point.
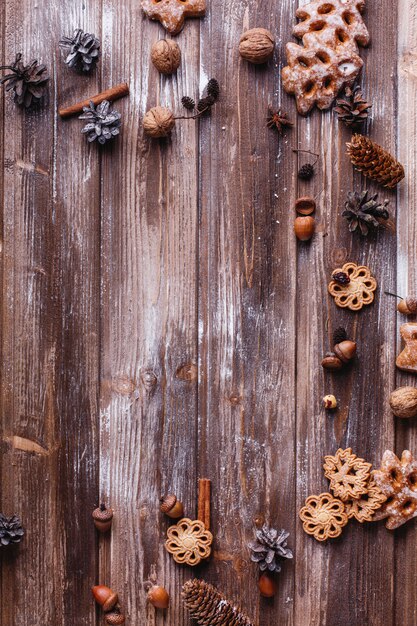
(205, 104)
(374, 162)
(188, 103)
(339, 335)
(213, 88)
(269, 548)
(209, 607)
(83, 50)
(306, 171)
(28, 82)
(363, 212)
(352, 109)
(11, 530)
(104, 123)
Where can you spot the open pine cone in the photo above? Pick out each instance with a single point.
(83, 50)
(364, 212)
(352, 109)
(11, 530)
(270, 548)
(29, 82)
(103, 122)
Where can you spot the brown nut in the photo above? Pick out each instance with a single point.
(305, 205)
(103, 518)
(403, 402)
(166, 56)
(329, 402)
(158, 122)
(115, 618)
(105, 597)
(408, 306)
(304, 227)
(257, 45)
(267, 586)
(159, 597)
(171, 506)
(331, 362)
(345, 350)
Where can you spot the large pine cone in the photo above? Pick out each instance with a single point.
(374, 162)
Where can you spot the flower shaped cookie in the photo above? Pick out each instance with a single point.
(363, 509)
(358, 292)
(347, 473)
(323, 516)
(189, 542)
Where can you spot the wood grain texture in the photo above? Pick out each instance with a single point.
(161, 323)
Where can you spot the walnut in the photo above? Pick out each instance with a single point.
(403, 402)
(158, 122)
(166, 56)
(257, 45)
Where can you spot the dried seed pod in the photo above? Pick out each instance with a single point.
(171, 506)
(158, 597)
(103, 518)
(105, 597)
(408, 306)
(166, 56)
(305, 205)
(267, 586)
(345, 350)
(331, 362)
(403, 402)
(304, 227)
(257, 45)
(158, 122)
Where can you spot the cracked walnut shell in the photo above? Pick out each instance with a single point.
(347, 473)
(257, 45)
(189, 542)
(323, 517)
(358, 292)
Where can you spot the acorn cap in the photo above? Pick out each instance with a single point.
(408, 306)
(331, 362)
(346, 350)
(102, 513)
(115, 617)
(168, 502)
(305, 205)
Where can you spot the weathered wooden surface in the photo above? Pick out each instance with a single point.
(160, 322)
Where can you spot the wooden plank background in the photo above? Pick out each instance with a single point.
(160, 322)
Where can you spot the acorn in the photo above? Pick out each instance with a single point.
(408, 306)
(171, 506)
(115, 617)
(158, 596)
(267, 586)
(103, 518)
(345, 350)
(331, 362)
(105, 597)
(304, 227)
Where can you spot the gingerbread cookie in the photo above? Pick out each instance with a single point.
(397, 479)
(323, 516)
(189, 542)
(347, 473)
(363, 509)
(354, 287)
(172, 13)
(328, 60)
(407, 360)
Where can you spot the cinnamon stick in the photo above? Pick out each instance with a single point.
(204, 494)
(114, 93)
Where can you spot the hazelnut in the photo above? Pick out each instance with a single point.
(166, 56)
(329, 402)
(158, 596)
(345, 350)
(158, 122)
(304, 227)
(267, 586)
(257, 45)
(331, 362)
(403, 402)
(103, 518)
(105, 597)
(171, 506)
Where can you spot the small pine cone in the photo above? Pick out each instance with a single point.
(213, 88)
(29, 82)
(188, 103)
(270, 548)
(205, 104)
(374, 162)
(11, 530)
(210, 607)
(103, 122)
(341, 277)
(339, 335)
(83, 50)
(352, 109)
(306, 171)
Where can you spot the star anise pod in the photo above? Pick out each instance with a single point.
(278, 120)
(352, 109)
